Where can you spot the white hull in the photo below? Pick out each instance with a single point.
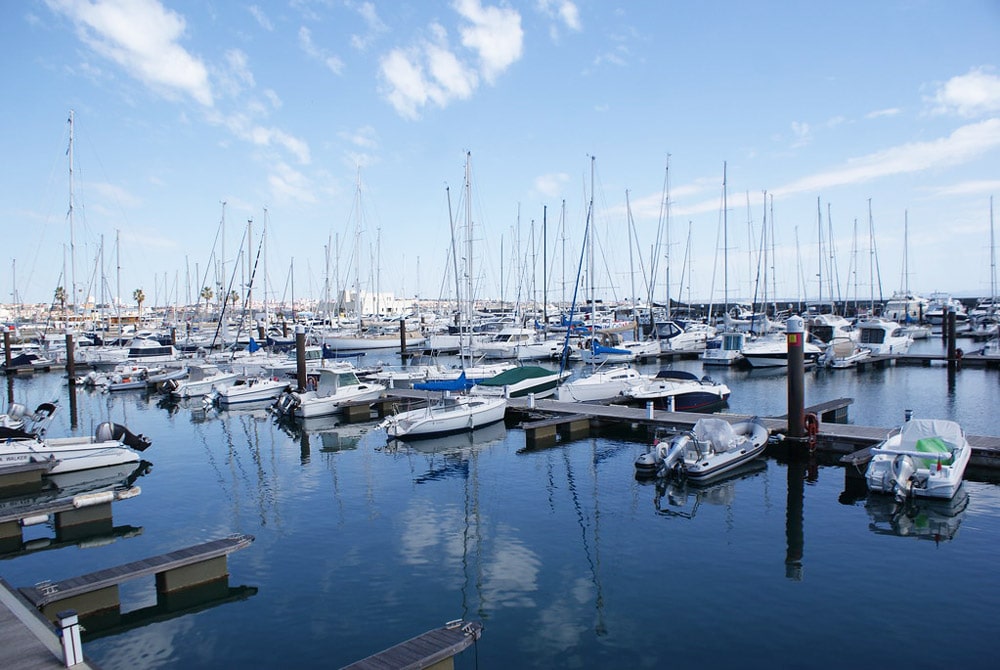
(600, 386)
(253, 390)
(70, 453)
(903, 467)
(450, 415)
(309, 405)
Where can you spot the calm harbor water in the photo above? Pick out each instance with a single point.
(566, 558)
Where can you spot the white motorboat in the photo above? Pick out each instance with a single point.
(250, 389)
(449, 414)
(335, 386)
(724, 349)
(522, 381)
(678, 391)
(712, 448)
(600, 386)
(925, 458)
(519, 344)
(882, 336)
(111, 444)
(17, 417)
(674, 337)
(771, 351)
(843, 352)
(200, 381)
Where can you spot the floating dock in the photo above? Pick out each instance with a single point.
(433, 649)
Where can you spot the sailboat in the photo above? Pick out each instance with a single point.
(725, 348)
(450, 413)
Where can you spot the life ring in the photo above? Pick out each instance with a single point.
(812, 428)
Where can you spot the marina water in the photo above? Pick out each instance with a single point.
(567, 560)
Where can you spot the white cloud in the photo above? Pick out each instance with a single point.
(290, 184)
(272, 136)
(564, 11)
(331, 61)
(962, 145)
(802, 134)
(142, 37)
(375, 25)
(983, 186)
(551, 185)
(495, 35)
(261, 18)
(878, 113)
(969, 95)
(430, 71)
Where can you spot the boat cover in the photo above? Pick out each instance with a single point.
(937, 436)
(518, 374)
(718, 432)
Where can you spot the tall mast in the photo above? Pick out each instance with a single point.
(725, 246)
(819, 231)
(545, 267)
(469, 232)
(993, 262)
(72, 243)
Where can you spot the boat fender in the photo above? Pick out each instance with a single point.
(812, 428)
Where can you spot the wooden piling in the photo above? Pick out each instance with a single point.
(300, 357)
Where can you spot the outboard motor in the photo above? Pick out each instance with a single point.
(113, 431)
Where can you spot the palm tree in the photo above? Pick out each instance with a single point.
(206, 295)
(234, 298)
(139, 298)
(60, 297)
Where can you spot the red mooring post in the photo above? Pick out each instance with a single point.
(795, 334)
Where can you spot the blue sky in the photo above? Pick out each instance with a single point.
(276, 109)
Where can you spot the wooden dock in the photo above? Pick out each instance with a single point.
(27, 640)
(965, 360)
(435, 648)
(174, 571)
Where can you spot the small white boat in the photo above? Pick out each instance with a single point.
(450, 414)
(336, 386)
(712, 448)
(882, 336)
(925, 458)
(112, 444)
(843, 352)
(201, 378)
(600, 386)
(724, 349)
(522, 381)
(251, 389)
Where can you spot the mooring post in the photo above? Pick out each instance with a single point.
(70, 359)
(300, 357)
(950, 327)
(261, 335)
(795, 334)
(69, 631)
(649, 410)
(402, 338)
(6, 348)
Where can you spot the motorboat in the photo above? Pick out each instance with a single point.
(682, 497)
(17, 417)
(248, 389)
(600, 385)
(675, 337)
(334, 387)
(882, 336)
(522, 381)
(111, 444)
(520, 344)
(713, 448)
(678, 391)
(200, 381)
(925, 458)
(829, 327)
(843, 352)
(724, 349)
(449, 414)
(771, 351)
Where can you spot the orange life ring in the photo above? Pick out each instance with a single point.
(812, 427)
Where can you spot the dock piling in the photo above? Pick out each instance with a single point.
(69, 634)
(795, 332)
(300, 357)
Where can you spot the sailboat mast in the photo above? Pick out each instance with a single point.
(545, 267)
(993, 262)
(631, 268)
(819, 232)
(725, 245)
(72, 242)
(469, 232)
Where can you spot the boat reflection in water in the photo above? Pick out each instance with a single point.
(73, 488)
(923, 518)
(448, 455)
(678, 496)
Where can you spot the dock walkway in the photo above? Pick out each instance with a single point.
(27, 640)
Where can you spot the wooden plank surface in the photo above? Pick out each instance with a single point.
(42, 594)
(423, 650)
(27, 640)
